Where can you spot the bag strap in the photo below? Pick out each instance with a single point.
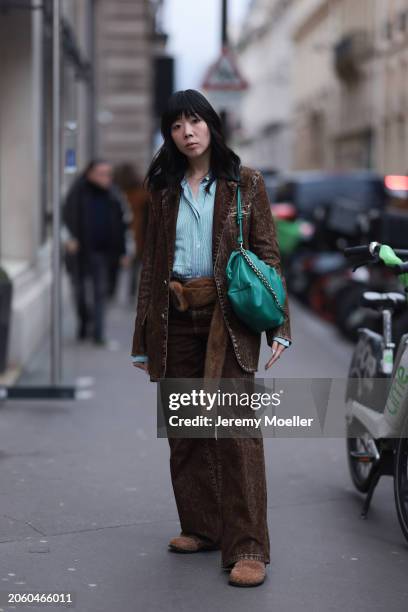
(240, 238)
(251, 264)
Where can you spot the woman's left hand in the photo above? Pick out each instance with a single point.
(277, 350)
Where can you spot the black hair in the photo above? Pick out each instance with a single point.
(169, 164)
(92, 164)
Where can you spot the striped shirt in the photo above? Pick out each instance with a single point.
(193, 246)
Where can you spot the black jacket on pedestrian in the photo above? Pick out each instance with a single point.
(95, 217)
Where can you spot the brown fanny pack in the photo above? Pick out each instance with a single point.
(195, 293)
(198, 293)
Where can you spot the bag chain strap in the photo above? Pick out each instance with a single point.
(261, 277)
(244, 254)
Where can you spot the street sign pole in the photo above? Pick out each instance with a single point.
(224, 44)
(223, 81)
(56, 364)
(224, 24)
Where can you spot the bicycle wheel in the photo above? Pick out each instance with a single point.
(361, 454)
(401, 484)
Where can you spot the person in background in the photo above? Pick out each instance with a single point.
(127, 178)
(93, 216)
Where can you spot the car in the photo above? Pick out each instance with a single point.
(312, 192)
(271, 178)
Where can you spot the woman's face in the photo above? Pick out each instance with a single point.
(191, 136)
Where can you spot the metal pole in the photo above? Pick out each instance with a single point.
(91, 16)
(224, 43)
(224, 24)
(56, 368)
(39, 112)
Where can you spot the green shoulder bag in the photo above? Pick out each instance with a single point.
(255, 289)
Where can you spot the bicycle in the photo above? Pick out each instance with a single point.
(377, 390)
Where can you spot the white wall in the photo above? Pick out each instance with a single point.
(266, 64)
(19, 176)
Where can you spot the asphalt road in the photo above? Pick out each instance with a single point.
(86, 504)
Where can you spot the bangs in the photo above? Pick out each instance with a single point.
(187, 103)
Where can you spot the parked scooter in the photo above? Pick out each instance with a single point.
(377, 393)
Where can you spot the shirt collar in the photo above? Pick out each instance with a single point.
(205, 179)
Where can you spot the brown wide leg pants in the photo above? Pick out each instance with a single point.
(219, 484)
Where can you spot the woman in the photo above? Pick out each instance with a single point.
(219, 484)
(93, 216)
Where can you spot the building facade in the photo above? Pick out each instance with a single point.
(124, 56)
(26, 154)
(344, 104)
(107, 110)
(264, 51)
(350, 86)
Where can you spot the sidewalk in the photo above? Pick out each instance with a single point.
(80, 510)
(87, 505)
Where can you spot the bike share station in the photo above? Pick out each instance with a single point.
(377, 393)
(64, 137)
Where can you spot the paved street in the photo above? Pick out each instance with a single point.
(87, 505)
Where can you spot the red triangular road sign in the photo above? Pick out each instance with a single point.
(224, 74)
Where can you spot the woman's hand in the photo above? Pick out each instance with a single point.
(141, 366)
(277, 350)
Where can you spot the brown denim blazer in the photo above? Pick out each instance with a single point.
(151, 325)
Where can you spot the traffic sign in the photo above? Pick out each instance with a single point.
(224, 74)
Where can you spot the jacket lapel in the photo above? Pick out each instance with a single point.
(170, 207)
(224, 197)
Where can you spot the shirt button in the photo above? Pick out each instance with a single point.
(165, 282)
(163, 315)
(198, 245)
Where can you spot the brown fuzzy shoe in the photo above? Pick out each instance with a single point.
(247, 573)
(189, 544)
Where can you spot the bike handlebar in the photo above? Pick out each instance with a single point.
(367, 249)
(369, 254)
